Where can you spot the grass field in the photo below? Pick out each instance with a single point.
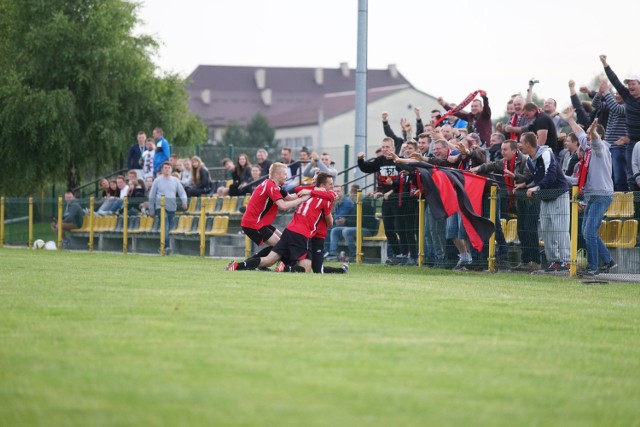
(104, 339)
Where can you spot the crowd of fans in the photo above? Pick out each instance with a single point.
(534, 157)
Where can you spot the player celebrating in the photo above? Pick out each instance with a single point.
(263, 207)
(294, 242)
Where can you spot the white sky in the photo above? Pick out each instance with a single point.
(496, 46)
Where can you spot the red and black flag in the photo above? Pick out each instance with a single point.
(451, 190)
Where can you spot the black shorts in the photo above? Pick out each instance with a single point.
(293, 246)
(259, 236)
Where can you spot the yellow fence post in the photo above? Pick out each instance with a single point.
(31, 222)
(420, 231)
(359, 228)
(202, 226)
(125, 225)
(92, 202)
(492, 240)
(573, 266)
(59, 221)
(1, 221)
(162, 221)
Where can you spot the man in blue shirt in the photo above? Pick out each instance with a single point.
(163, 150)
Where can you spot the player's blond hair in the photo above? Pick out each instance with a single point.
(275, 167)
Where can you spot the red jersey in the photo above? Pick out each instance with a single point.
(321, 231)
(308, 216)
(262, 208)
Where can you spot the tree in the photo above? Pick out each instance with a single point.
(260, 134)
(235, 135)
(257, 133)
(76, 86)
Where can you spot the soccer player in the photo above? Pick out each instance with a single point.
(263, 207)
(317, 240)
(294, 242)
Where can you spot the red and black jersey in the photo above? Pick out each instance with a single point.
(387, 172)
(321, 231)
(262, 208)
(306, 220)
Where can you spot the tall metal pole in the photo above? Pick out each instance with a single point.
(361, 83)
(320, 145)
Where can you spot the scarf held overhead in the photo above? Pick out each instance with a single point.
(458, 107)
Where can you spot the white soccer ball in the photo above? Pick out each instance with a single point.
(38, 244)
(50, 245)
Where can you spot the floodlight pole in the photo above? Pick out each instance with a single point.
(361, 84)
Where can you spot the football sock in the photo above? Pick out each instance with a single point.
(249, 264)
(332, 270)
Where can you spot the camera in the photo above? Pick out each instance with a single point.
(533, 81)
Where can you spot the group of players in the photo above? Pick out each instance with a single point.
(300, 247)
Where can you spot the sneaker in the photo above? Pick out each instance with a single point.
(392, 261)
(466, 257)
(345, 267)
(557, 266)
(460, 266)
(168, 251)
(233, 266)
(553, 267)
(279, 267)
(608, 266)
(589, 273)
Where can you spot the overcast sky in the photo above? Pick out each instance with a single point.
(445, 49)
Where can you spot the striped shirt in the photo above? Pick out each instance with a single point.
(632, 106)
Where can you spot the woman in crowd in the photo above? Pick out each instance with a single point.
(248, 188)
(200, 177)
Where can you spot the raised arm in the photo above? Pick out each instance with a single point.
(567, 116)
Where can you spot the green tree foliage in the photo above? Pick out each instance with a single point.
(260, 134)
(235, 135)
(76, 86)
(257, 133)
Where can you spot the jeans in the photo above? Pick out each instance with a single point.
(168, 219)
(334, 238)
(619, 166)
(593, 214)
(435, 234)
(349, 234)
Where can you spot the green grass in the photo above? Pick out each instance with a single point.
(104, 339)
